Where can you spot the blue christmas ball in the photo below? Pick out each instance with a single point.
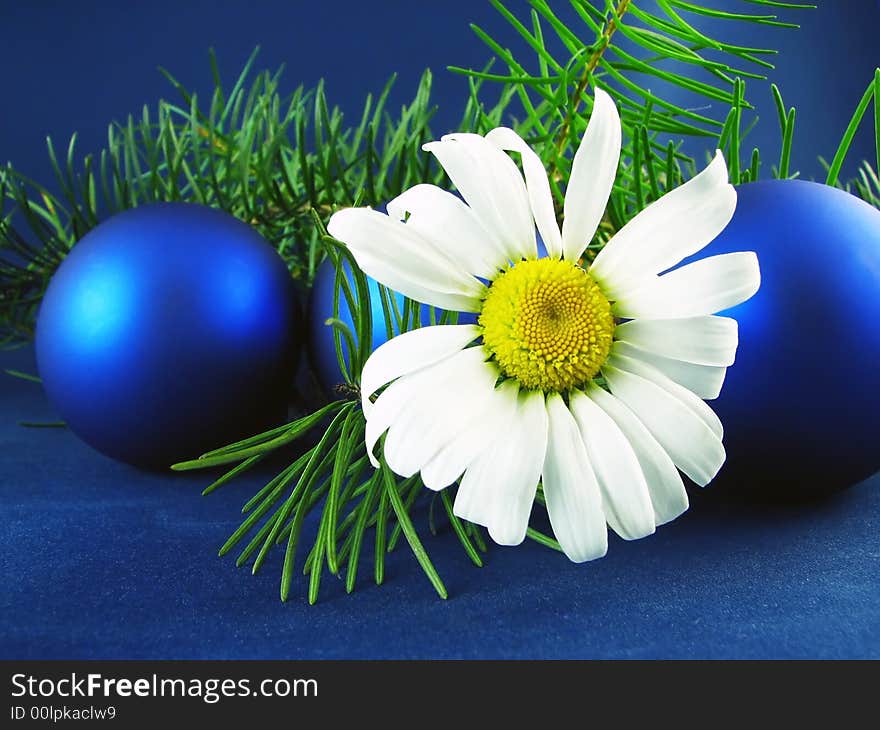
(320, 335)
(801, 404)
(169, 329)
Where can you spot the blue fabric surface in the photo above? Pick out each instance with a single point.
(101, 560)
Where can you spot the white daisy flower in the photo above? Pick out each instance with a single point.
(589, 381)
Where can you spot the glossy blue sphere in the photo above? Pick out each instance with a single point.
(320, 335)
(801, 404)
(169, 329)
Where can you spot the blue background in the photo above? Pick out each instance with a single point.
(102, 560)
(78, 65)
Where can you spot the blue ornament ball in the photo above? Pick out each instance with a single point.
(320, 335)
(801, 404)
(170, 329)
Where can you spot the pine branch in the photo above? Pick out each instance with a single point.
(661, 43)
(853, 127)
(266, 157)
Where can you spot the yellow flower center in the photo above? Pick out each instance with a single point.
(547, 324)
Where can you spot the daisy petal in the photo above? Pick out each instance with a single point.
(703, 287)
(450, 226)
(625, 496)
(498, 489)
(412, 351)
(668, 495)
(702, 380)
(692, 401)
(448, 464)
(387, 272)
(708, 340)
(525, 453)
(691, 444)
(390, 405)
(460, 389)
(538, 187)
(571, 490)
(416, 269)
(493, 187)
(678, 225)
(592, 176)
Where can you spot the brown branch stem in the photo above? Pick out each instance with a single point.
(592, 63)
